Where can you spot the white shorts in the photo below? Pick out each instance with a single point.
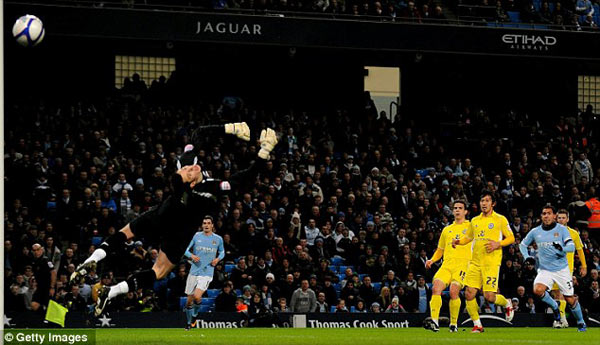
(196, 282)
(562, 278)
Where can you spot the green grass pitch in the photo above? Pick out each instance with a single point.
(354, 336)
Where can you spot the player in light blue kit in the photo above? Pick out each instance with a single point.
(202, 251)
(554, 242)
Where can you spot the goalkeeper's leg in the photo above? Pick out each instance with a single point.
(111, 243)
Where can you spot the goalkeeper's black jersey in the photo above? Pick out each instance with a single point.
(188, 206)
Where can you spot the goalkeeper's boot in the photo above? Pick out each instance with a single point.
(102, 301)
(78, 276)
(431, 325)
(453, 329)
(477, 329)
(564, 323)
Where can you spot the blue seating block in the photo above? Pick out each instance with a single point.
(337, 261)
(514, 16)
(208, 301)
(213, 293)
(377, 287)
(229, 268)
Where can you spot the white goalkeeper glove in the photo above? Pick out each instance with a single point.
(239, 129)
(268, 140)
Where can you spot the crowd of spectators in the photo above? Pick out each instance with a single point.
(576, 15)
(350, 186)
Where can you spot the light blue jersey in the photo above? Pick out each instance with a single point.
(549, 258)
(205, 247)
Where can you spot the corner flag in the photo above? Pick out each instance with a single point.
(56, 313)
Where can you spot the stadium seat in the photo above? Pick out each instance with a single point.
(337, 261)
(492, 24)
(337, 287)
(540, 27)
(96, 241)
(208, 301)
(515, 17)
(510, 25)
(341, 276)
(342, 268)
(213, 293)
(377, 287)
(229, 268)
(333, 309)
(238, 292)
(352, 309)
(205, 308)
(362, 276)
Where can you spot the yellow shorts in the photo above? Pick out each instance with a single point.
(452, 271)
(483, 276)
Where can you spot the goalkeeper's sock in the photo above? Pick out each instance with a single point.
(502, 301)
(454, 310)
(435, 305)
(189, 310)
(577, 313)
(97, 255)
(562, 308)
(119, 289)
(549, 301)
(473, 310)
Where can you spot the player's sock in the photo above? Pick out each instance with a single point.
(502, 301)
(119, 289)
(473, 310)
(562, 308)
(435, 305)
(454, 310)
(550, 301)
(97, 255)
(577, 312)
(141, 280)
(196, 308)
(189, 311)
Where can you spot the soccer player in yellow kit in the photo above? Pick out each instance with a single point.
(491, 232)
(453, 270)
(563, 219)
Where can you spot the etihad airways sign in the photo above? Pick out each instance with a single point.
(529, 42)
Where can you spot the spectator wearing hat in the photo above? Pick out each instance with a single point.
(318, 252)
(395, 306)
(375, 308)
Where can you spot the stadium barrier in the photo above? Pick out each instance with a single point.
(311, 320)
